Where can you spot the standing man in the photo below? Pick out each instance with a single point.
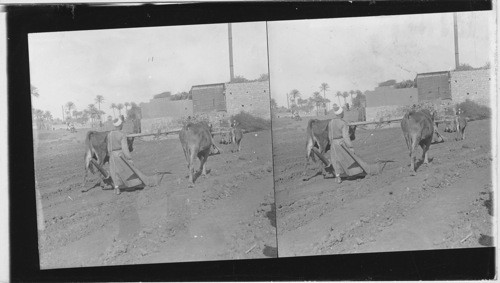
(342, 157)
(122, 171)
(236, 135)
(338, 133)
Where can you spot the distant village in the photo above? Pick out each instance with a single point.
(216, 102)
(443, 90)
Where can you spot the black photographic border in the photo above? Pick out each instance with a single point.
(453, 264)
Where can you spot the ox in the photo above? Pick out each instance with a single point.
(317, 136)
(236, 135)
(418, 129)
(96, 150)
(196, 140)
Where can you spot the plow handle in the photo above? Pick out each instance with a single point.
(321, 157)
(103, 172)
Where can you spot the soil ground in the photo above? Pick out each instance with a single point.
(448, 204)
(228, 214)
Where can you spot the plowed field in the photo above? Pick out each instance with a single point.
(448, 204)
(229, 214)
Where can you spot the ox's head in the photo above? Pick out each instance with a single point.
(431, 114)
(130, 143)
(352, 132)
(136, 130)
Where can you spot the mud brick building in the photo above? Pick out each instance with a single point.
(232, 98)
(441, 90)
(471, 84)
(456, 86)
(251, 97)
(208, 98)
(433, 86)
(213, 102)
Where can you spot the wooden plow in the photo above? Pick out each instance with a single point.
(446, 119)
(176, 131)
(381, 122)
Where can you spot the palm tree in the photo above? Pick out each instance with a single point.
(318, 101)
(119, 107)
(34, 91)
(99, 114)
(345, 94)
(301, 102)
(339, 94)
(92, 112)
(85, 116)
(47, 115)
(39, 115)
(99, 99)
(79, 115)
(294, 94)
(324, 87)
(351, 92)
(70, 106)
(113, 106)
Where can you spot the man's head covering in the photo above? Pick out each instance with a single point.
(117, 122)
(337, 110)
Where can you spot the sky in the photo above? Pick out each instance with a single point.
(132, 65)
(358, 53)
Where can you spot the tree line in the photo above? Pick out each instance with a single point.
(91, 112)
(401, 84)
(94, 113)
(178, 96)
(241, 79)
(295, 101)
(467, 67)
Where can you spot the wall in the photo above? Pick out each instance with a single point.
(161, 114)
(152, 125)
(208, 98)
(219, 120)
(397, 111)
(384, 112)
(387, 102)
(352, 115)
(385, 96)
(252, 97)
(158, 108)
(472, 84)
(397, 102)
(433, 86)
